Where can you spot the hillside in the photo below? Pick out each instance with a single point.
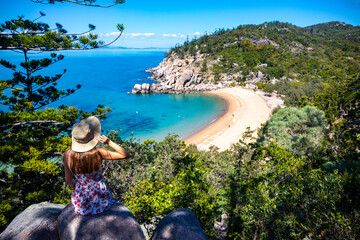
(278, 56)
(299, 179)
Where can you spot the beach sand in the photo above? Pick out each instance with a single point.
(245, 109)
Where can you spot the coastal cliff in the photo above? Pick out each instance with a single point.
(180, 75)
(196, 70)
(176, 74)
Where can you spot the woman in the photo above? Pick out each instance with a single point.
(91, 194)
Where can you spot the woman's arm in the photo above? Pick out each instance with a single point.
(68, 174)
(120, 153)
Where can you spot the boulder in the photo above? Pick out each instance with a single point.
(263, 65)
(160, 73)
(145, 88)
(116, 223)
(38, 221)
(136, 89)
(183, 79)
(153, 87)
(180, 224)
(273, 81)
(172, 79)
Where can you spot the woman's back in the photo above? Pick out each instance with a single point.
(83, 162)
(91, 194)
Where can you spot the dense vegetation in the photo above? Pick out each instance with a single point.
(298, 180)
(318, 65)
(301, 58)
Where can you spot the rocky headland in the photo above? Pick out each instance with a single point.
(193, 73)
(178, 75)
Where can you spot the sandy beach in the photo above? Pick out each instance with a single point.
(245, 108)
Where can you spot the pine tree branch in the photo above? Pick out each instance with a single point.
(80, 3)
(43, 33)
(45, 104)
(4, 181)
(59, 49)
(43, 50)
(49, 122)
(42, 67)
(112, 41)
(347, 126)
(18, 71)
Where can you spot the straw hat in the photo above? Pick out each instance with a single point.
(84, 133)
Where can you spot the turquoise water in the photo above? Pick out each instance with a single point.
(106, 75)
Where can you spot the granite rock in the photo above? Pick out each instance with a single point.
(38, 221)
(145, 88)
(136, 89)
(183, 79)
(180, 224)
(118, 223)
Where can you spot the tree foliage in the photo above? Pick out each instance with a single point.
(270, 189)
(316, 65)
(299, 130)
(33, 138)
(267, 191)
(91, 3)
(283, 197)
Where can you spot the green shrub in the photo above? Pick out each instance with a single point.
(297, 130)
(289, 200)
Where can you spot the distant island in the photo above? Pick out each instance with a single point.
(145, 48)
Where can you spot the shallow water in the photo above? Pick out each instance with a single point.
(106, 75)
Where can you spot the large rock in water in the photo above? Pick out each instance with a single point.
(116, 223)
(145, 88)
(180, 224)
(136, 89)
(38, 221)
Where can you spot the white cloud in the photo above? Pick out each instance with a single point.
(170, 35)
(128, 35)
(139, 35)
(196, 34)
(149, 35)
(110, 34)
(190, 36)
(150, 39)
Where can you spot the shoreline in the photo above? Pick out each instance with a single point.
(226, 110)
(244, 108)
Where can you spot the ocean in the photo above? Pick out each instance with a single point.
(107, 75)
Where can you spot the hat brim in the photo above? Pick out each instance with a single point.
(84, 147)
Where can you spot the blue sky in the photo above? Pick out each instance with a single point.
(161, 23)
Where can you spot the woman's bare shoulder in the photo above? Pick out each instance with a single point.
(103, 151)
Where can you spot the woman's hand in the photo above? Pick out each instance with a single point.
(120, 153)
(103, 139)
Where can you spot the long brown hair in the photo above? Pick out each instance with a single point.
(85, 162)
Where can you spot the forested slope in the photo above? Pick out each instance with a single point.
(298, 180)
(316, 52)
(316, 65)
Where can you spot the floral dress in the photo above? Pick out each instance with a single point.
(91, 194)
